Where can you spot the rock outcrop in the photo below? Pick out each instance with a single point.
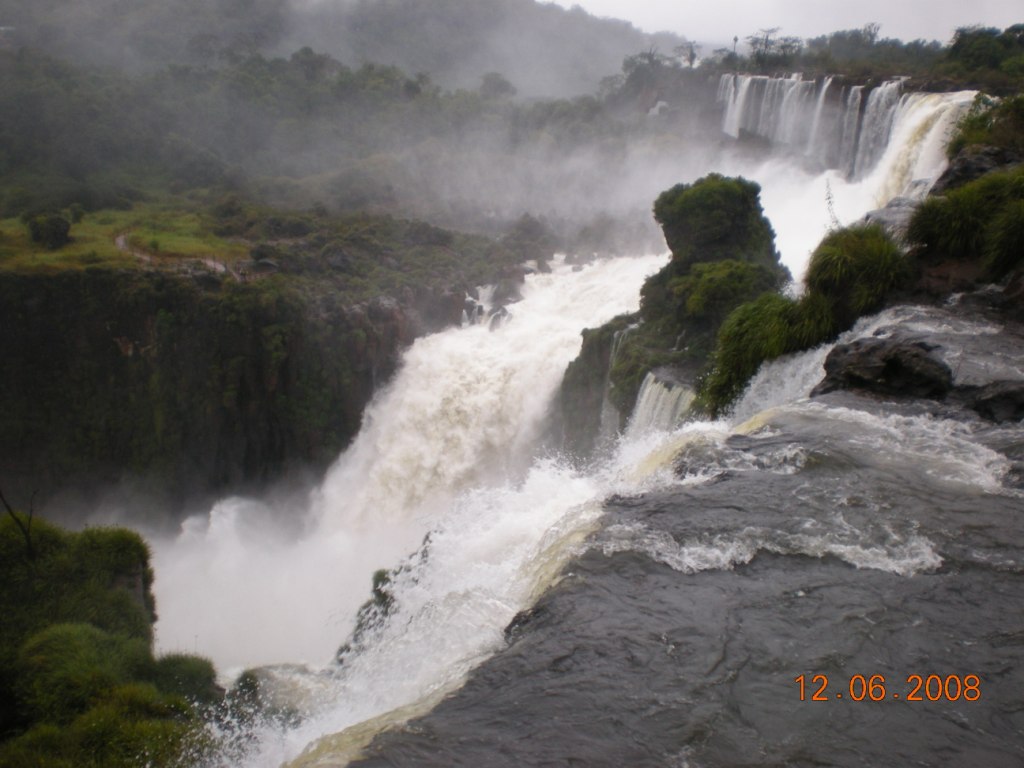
(886, 366)
(972, 163)
(969, 359)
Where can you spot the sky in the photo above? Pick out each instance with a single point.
(717, 21)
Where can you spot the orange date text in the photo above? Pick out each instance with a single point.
(877, 688)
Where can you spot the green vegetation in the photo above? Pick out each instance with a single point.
(723, 254)
(987, 57)
(991, 123)
(711, 290)
(851, 273)
(855, 269)
(270, 324)
(978, 222)
(49, 230)
(79, 685)
(180, 228)
(977, 57)
(753, 332)
(713, 219)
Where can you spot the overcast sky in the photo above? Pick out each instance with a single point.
(717, 21)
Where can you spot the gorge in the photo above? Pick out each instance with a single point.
(655, 604)
(432, 453)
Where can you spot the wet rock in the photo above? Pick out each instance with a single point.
(973, 163)
(894, 217)
(1000, 401)
(886, 366)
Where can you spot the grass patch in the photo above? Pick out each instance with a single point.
(164, 232)
(980, 221)
(169, 232)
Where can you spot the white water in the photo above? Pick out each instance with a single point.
(891, 148)
(795, 198)
(448, 450)
(659, 406)
(465, 411)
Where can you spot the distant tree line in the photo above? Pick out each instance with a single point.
(980, 57)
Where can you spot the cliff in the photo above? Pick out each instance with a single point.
(187, 383)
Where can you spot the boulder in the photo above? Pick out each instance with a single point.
(972, 163)
(894, 217)
(888, 367)
(1000, 401)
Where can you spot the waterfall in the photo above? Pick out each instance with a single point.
(917, 127)
(444, 485)
(608, 428)
(813, 142)
(876, 125)
(850, 122)
(465, 411)
(851, 133)
(660, 405)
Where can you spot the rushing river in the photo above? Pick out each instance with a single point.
(657, 606)
(824, 539)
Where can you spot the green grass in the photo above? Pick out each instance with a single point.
(166, 232)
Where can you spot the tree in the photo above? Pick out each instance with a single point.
(763, 44)
(716, 218)
(25, 527)
(496, 86)
(49, 230)
(977, 47)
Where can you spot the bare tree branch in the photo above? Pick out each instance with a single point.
(26, 530)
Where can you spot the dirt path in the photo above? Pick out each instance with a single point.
(122, 244)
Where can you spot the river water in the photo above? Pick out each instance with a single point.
(657, 606)
(824, 539)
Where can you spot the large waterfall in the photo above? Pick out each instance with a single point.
(846, 128)
(657, 570)
(837, 151)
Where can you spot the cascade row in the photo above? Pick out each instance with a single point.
(845, 128)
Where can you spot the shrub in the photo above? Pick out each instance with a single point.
(856, 269)
(716, 218)
(813, 322)
(49, 230)
(992, 123)
(979, 221)
(129, 726)
(926, 225)
(191, 677)
(64, 668)
(851, 273)
(100, 577)
(1004, 249)
(710, 291)
(754, 332)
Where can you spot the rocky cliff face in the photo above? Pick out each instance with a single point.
(723, 254)
(185, 388)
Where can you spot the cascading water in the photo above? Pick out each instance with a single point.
(899, 151)
(445, 450)
(659, 405)
(834, 537)
(444, 487)
(791, 112)
(876, 125)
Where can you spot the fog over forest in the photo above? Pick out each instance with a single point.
(424, 109)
